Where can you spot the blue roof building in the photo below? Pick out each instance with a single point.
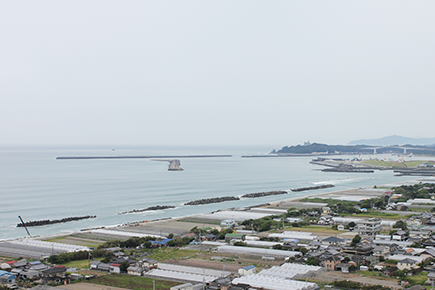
(6, 277)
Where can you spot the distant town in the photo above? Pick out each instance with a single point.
(381, 237)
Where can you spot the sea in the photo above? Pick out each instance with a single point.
(37, 186)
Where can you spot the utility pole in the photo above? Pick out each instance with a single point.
(154, 284)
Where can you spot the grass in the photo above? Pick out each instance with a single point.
(420, 278)
(172, 253)
(80, 264)
(383, 215)
(132, 282)
(316, 229)
(393, 163)
(83, 242)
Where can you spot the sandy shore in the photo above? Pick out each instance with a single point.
(179, 225)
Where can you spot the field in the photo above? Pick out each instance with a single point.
(133, 282)
(392, 163)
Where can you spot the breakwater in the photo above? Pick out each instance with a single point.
(157, 207)
(261, 194)
(312, 187)
(50, 222)
(142, 156)
(212, 200)
(346, 169)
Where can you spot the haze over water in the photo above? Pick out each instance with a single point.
(36, 186)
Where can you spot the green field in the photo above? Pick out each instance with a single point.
(392, 163)
(172, 253)
(132, 282)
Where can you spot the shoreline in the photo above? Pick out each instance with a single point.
(155, 223)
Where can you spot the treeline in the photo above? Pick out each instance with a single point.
(318, 147)
(419, 190)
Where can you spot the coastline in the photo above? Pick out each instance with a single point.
(157, 227)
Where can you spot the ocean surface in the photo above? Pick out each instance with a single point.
(36, 186)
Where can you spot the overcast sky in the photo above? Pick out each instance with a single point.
(215, 72)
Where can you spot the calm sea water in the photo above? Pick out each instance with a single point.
(36, 186)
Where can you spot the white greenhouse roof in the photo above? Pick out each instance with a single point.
(181, 276)
(193, 270)
(276, 283)
(258, 251)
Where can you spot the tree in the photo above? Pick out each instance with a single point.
(171, 236)
(400, 224)
(355, 241)
(351, 225)
(312, 261)
(123, 267)
(303, 250)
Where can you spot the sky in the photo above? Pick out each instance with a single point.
(215, 72)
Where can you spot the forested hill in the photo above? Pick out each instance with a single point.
(317, 147)
(355, 149)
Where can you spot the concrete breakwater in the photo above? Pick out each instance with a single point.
(157, 207)
(347, 169)
(212, 200)
(261, 194)
(142, 156)
(50, 222)
(312, 187)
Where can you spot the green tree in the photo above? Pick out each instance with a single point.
(303, 250)
(355, 241)
(400, 224)
(312, 261)
(124, 266)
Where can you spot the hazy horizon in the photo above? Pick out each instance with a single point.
(194, 73)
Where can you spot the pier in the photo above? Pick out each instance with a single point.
(142, 156)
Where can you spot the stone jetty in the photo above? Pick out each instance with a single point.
(141, 156)
(50, 222)
(157, 207)
(312, 187)
(261, 194)
(212, 200)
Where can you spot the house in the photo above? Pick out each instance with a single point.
(229, 223)
(381, 251)
(115, 268)
(331, 262)
(148, 263)
(343, 267)
(430, 278)
(407, 264)
(209, 237)
(135, 271)
(29, 274)
(7, 278)
(293, 220)
(5, 266)
(383, 237)
(54, 275)
(399, 235)
(248, 270)
(239, 237)
(389, 272)
(333, 241)
(326, 210)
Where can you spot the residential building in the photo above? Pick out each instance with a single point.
(369, 227)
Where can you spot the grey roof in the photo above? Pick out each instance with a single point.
(333, 240)
(408, 261)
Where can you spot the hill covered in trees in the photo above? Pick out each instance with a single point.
(322, 148)
(310, 148)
